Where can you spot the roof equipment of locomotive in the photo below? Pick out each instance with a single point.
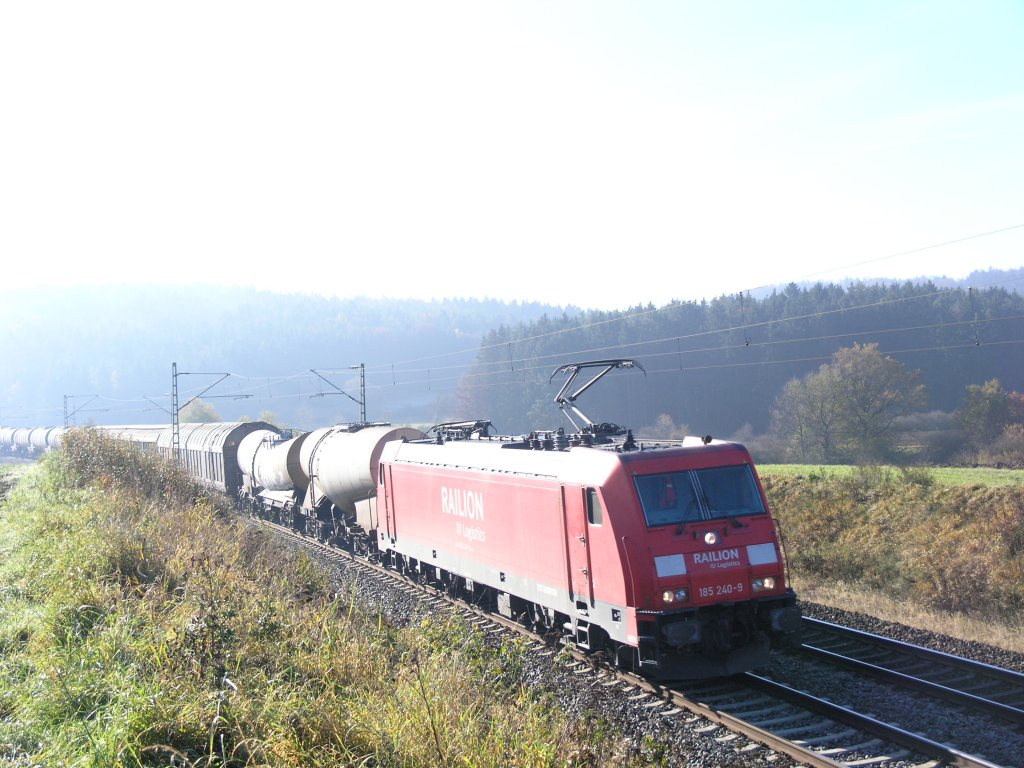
(566, 400)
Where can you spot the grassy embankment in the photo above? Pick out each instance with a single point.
(941, 476)
(142, 624)
(939, 549)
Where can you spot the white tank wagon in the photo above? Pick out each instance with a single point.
(314, 482)
(41, 439)
(343, 468)
(6, 439)
(20, 444)
(29, 441)
(272, 475)
(54, 437)
(263, 458)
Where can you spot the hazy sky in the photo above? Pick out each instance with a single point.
(594, 153)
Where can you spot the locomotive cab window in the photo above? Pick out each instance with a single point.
(672, 498)
(595, 512)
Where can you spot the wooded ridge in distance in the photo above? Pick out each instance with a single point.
(720, 367)
(119, 342)
(712, 367)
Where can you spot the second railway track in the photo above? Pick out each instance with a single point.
(964, 682)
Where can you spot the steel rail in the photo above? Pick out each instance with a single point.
(954, 695)
(997, 673)
(904, 738)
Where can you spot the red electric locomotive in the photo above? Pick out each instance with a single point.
(665, 556)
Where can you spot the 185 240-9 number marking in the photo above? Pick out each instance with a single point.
(718, 590)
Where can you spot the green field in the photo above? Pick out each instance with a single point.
(943, 476)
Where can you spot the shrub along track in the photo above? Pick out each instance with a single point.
(746, 721)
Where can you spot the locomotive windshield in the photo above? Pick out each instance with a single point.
(670, 498)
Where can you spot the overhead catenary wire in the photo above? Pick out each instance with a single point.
(921, 249)
(743, 327)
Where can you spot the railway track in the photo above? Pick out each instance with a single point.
(963, 682)
(830, 734)
(748, 712)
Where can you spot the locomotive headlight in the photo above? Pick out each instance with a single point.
(710, 538)
(668, 596)
(682, 595)
(763, 584)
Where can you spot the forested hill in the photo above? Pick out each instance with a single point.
(718, 365)
(713, 366)
(119, 342)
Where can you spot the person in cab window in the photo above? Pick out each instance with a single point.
(667, 496)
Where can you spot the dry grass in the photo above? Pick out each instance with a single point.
(851, 597)
(141, 624)
(905, 548)
(944, 476)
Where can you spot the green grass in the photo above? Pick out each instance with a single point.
(944, 476)
(143, 624)
(14, 471)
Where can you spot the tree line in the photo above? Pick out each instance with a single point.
(816, 373)
(865, 407)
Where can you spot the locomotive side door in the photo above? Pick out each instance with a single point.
(389, 505)
(577, 544)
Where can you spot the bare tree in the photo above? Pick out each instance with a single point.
(199, 412)
(847, 408)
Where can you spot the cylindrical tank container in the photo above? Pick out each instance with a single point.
(20, 439)
(37, 438)
(6, 438)
(343, 464)
(272, 463)
(53, 437)
(308, 449)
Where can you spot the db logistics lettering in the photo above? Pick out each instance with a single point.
(461, 503)
(719, 555)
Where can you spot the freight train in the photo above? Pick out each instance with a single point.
(28, 442)
(662, 555)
